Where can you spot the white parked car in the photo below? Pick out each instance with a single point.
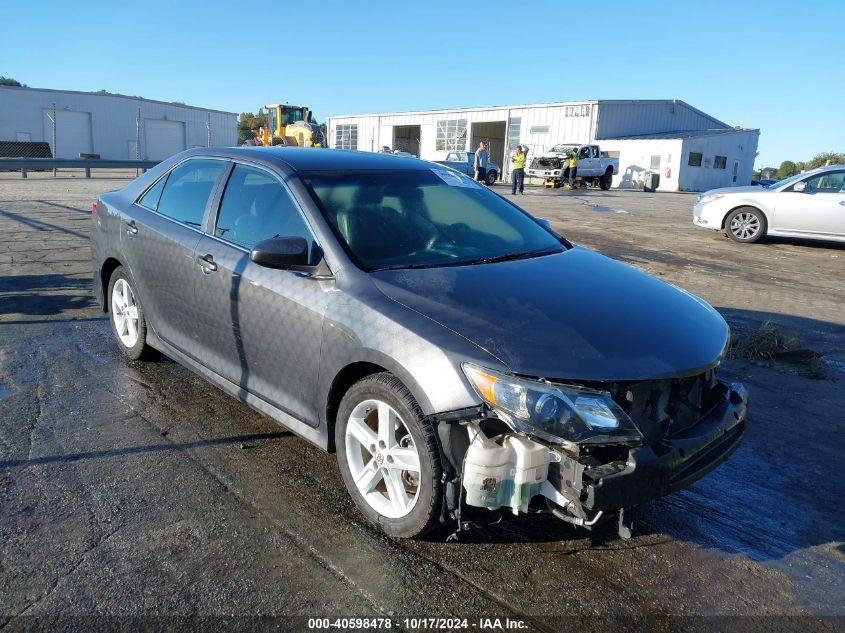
(809, 205)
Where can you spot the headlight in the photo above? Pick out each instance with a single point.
(709, 197)
(553, 412)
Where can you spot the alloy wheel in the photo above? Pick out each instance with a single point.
(745, 225)
(383, 459)
(125, 313)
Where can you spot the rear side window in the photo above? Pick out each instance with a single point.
(150, 199)
(255, 207)
(187, 190)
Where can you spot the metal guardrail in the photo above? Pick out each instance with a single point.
(33, 164)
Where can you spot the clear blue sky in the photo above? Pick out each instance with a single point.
(775, 65)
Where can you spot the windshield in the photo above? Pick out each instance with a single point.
(424, 218)
(785, 181)
(564, 149)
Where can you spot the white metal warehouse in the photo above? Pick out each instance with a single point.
(690, 150)
(113, 126)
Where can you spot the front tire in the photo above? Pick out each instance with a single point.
(746, 225)
(127, 316)
(490, 177)
(388, 457)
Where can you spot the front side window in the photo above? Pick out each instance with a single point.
(187, 190)
(831, 182)
(451, 134)
(584, 152)
(424, 218)
(255, 207)
(346, 136)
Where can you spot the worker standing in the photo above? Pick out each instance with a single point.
(518, 170)
(481, 162)
(573, 168)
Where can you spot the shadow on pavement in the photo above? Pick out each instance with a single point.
(135, 450)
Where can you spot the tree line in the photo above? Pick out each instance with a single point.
(788, 168)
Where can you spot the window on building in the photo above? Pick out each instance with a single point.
(514, 131)
(721, 162)
(655, 161)
(694, 159)
(539, 129)
(451, 134)
(346, 136)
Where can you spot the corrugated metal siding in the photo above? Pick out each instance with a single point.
(374, 131)
(112, 119)
(630, 118)
(741, 147)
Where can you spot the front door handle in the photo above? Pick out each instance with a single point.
(207, 263)
(131, 228)
(842, 202)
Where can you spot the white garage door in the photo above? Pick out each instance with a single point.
(73, 132)
(163, 138)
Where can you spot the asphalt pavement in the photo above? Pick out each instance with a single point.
(133, 493)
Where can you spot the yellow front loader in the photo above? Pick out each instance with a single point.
(291, 125)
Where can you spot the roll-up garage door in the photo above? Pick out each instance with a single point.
(163, 138)
(73, 132)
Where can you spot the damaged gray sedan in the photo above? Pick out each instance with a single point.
(461, 358)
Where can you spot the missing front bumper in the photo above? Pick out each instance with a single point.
(580, 487)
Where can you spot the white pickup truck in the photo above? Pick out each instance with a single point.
(594, 166)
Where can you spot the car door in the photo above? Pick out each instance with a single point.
(818, 209)
(585, 161)
(261, 327)
(158, 241)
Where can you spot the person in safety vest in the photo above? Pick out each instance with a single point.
(518, 170)
(572, 164)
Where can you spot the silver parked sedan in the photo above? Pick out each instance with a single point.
(809, 205)
(460, 357)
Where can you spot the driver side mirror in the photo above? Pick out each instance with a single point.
(799, 186)
(282, 253)
(545, 223)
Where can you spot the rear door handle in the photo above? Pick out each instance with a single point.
(207, 263)
(131, 228)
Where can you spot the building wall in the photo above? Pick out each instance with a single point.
(634, 118)
(635, 160)
(540, 126)
(111, 131)
(739, 147)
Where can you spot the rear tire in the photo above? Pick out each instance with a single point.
(745, 224)
(379, 429)
(127, 316)
(606, 180)
(490, 177)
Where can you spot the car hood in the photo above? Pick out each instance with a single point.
(576, 315)
(749, 189)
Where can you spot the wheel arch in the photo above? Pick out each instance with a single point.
(354, 371)
(106, 270)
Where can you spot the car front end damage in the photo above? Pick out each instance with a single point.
(547, 167)
(608, 447)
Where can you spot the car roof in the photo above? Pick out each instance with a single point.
(315, 158)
